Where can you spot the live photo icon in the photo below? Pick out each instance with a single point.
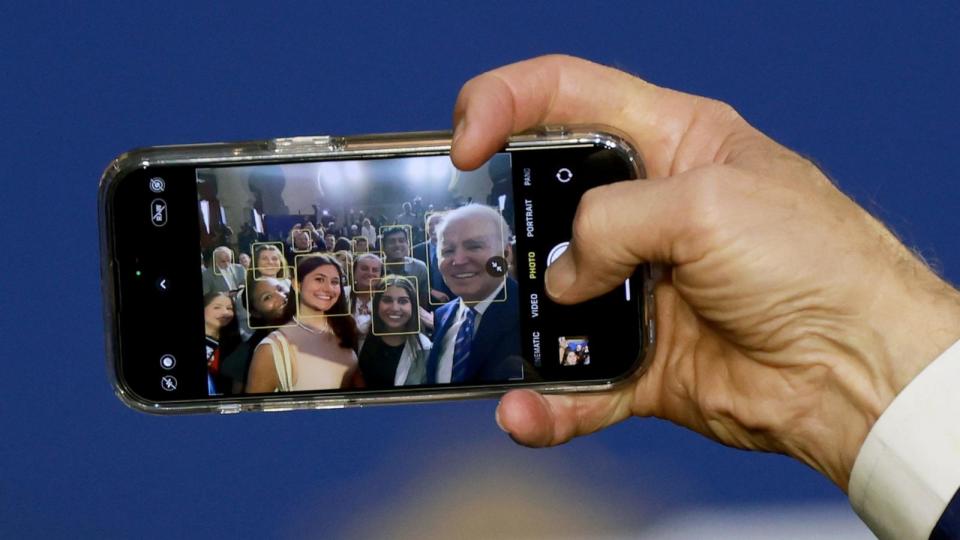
(157, 185)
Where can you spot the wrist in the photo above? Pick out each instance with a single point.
(909, 325)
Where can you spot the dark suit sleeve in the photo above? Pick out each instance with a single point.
(948, 526)
(207, 279)
(420, 253)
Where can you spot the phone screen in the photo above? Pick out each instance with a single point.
(363, 275)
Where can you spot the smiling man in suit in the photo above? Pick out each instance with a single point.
(477, 338)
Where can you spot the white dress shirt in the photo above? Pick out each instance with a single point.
(908, 468)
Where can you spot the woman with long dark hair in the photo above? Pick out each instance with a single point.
(395, 351)
(270, 307)
(316, 352)
(222, 336)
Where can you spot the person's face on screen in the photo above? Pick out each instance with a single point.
(368, 269)
(320, 288)
(432, 226)
(269, 298)
(395, 309)
(268, 262)
(362, 246)
(330, 240)
(395, 246)
(222, 259)
(245, 260)
(465, 247)
(219, 312)
(301, 240)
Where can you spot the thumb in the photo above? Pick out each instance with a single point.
(616, 228)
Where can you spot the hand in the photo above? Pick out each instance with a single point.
(426, 318)
(789, 317)
(439, 296)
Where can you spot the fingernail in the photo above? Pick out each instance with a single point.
(559, 276)
(459, 130)
(496, 416)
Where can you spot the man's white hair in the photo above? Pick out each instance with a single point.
(368, 255)
(472, 211)
(223, 249)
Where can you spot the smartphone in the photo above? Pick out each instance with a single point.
(321, 272)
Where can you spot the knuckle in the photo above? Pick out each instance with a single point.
(705, 199)
(702, 209)
(588, 221)
(721, 110)
(560, 58)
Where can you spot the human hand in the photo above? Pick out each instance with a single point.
(439, 296)
(789, 317)
(426, 318)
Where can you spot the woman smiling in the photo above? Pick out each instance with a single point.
(395, 352)
(317, 351)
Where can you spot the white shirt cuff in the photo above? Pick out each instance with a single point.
(908, 468)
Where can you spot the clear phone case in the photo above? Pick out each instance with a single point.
(311, 148)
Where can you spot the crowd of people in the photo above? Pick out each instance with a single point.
(375, 309)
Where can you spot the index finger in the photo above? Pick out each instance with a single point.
(565, 90)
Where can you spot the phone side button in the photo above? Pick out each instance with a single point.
(555, 130)
(230, 408)
(277, 408)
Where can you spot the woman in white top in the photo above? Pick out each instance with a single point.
(395, 352)
(317, 352)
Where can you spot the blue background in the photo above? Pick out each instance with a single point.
(868, 91)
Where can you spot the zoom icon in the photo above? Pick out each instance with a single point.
(157, 185)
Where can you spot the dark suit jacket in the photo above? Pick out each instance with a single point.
(213, 281)
(948, 527)
(495, 355)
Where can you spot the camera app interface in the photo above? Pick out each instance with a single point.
(364, 274)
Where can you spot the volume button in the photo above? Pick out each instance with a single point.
(290, 145)
(231, 408)
(114, 272)
(554, 130)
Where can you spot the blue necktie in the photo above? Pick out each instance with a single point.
(462, 346)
